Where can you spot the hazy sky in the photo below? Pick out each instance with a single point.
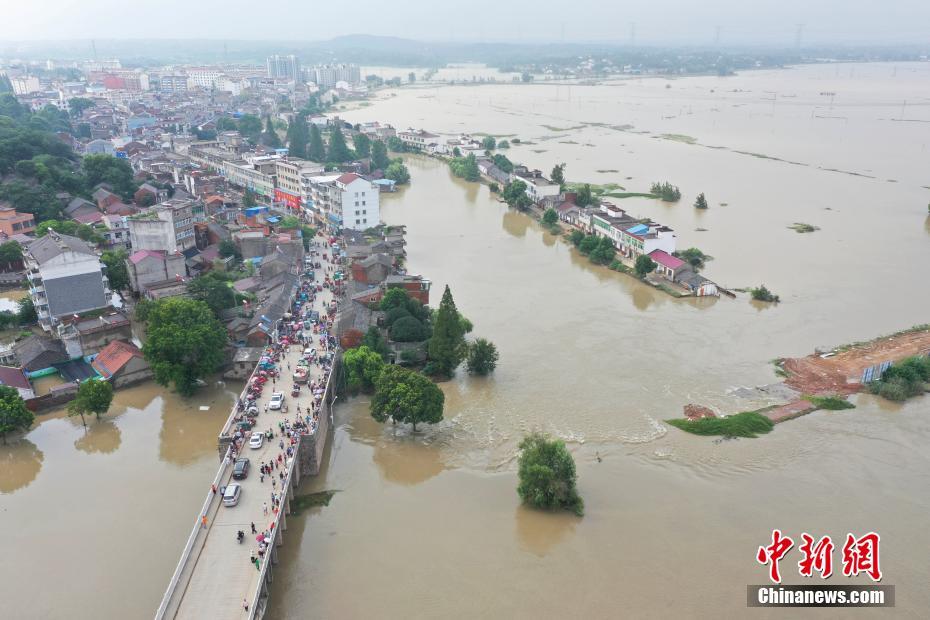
(656, 21)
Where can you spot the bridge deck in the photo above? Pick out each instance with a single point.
(222, 575)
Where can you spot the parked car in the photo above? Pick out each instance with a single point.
(277, 399)
(232, 494)
(241, 468)
(256, 440)
(314, 316)
(310, 352)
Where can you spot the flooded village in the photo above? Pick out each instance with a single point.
(598, 348)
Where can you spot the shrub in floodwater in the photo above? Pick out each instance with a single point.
(745, 424)
(763, 294)
(547, 474)
(832, 403)
(905, 379)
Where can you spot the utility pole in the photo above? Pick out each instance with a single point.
(717, 36)
(632, 34)
(798, 34)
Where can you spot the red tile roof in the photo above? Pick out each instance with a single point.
(665, 259)
(113, 357)
(136, 257)
(347, 178)
(14, 377)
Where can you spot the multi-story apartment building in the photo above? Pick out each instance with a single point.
(326, 76)
(283, 67)
(173, 84)
(204, 77)
(65, 278)
(292, 185)
(168, 226)
(345, 201)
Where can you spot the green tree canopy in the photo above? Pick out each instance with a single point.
(447, 345)
(405, 396)
(270, 136)
(250, 126)
(14, 416)
(488, 143)
(77, 105)
(550, 217)
(338, 151)
(117, 273)
(362, 144)
(26, 314)
(643, 265)
(93, 396)
(213, 290)
(666, 191)
(363, 366)
(397, 172)
(408, 329)
(376, 342)
(500, 160)
(585, 196)
(558, 175)
(466, 167)
(111, 170)
(10, 251)
(298, 137)
(482, 357)
(379, 155)
(316, 151)
(184, 342)
(514, 194)
(547, 475)
(228, 248)
(700, 202)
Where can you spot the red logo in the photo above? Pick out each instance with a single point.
(772, 554)
(860, 555)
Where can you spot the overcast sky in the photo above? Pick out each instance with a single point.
(656, 21)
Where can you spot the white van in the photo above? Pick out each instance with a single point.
(231, 494)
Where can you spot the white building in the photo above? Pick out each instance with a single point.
(25, 85)
(65, 278)
(283, 67)
(417, 138)
(345, 201)
(538, 187)
(204, 77)
(168, 226)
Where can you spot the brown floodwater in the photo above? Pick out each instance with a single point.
(96, 520)
(429, 525)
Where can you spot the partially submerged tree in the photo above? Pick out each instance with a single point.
(405, 396)
(547, 475)
(93, 396)
(14, 416)
(184, 342)
(700, 202)
(644, 265)
(482, 357)
(447, 345)
(363, 366)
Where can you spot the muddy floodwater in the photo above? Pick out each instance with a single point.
(429, 525)
(96, 520)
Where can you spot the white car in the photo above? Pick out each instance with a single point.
(277, 399)
(310, 352)
(231, 494)
(256, 440)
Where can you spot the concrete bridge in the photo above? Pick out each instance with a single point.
(215, 575)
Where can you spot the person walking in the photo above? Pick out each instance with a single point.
(254, 531)
(245, 604)
(264, 511)
(203, 521)
(213, 488)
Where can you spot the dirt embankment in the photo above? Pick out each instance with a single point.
(841, 372)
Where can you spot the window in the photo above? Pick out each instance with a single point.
(364, 212)
(363, 203)
(358, 221)
(356, 203)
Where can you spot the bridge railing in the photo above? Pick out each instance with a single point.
(196, 539)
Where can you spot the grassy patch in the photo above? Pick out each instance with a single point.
(745, 424)
(300, 503)
(801, 227)
(678, 137)
(606, 171)
(832, 403)
(629, 195)
(567, 142)
(554, 128)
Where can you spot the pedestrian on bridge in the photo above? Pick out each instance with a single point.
(264, 512)
(203, 521)
(245, 604)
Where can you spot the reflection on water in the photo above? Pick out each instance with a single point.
(183, 423)
(101, 437)
(515, 223)
(9, 300)
(539, 531)
(20, 462)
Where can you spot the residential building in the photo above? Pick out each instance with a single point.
(538, 187)
(16, 378)
(147, 267)
(115, 231)
(354, 203)
(326, 76)
(65, 278)
(25, 85)
(168, 226)
(419, 139)
(14, 223)
(416, 286)
(83, 337)
(122, 363)
(173, 84)
(668, 266)
(283, 67)
(38, 353)
(204, 77)
(292, 181)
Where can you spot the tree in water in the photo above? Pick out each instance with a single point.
(405, 396)
(184, 342)
(643, 265)
(362, 144)
(447, 347)
(14, 416)
(482, 357)
(547, 475)
(700, 202)
(379, 155)
(93, 396)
